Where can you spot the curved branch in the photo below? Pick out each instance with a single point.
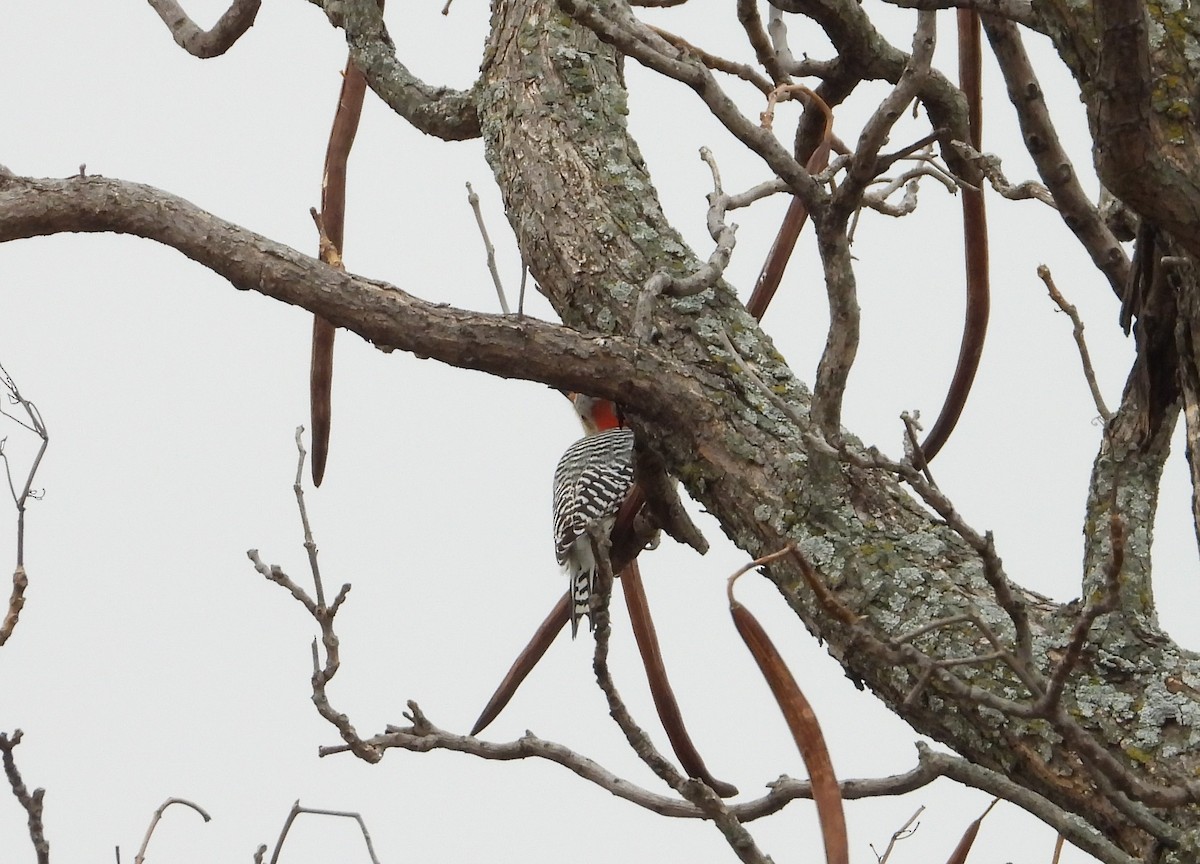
(238, 18)
(439, 111)
(157, 817)
(868, 56)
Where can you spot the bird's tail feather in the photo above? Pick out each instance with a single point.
(581, 598)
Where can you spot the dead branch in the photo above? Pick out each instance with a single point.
(30, 801)
(297, 810)
(1077, 331)
(712, 61)
(324, 615)
(473, 200)
(154, 820)
(32, 422)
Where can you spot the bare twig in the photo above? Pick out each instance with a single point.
(297, 810)
(990, 167)
(31, 801)
(310, 545)
(33, 422)
(902, 833)
(473, 200)
(912, 445)
(1077, 330)
(158, 814)
(324, 616)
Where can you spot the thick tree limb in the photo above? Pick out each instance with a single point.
(376, 311)
(439, 111)
(1018, 11)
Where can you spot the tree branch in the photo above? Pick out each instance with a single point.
(235, 21)
(1018, 11)
(378, 312)
(30, 801)
(158, 814)
(439, 111)
(1053, 165)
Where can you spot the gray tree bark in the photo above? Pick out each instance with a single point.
(1087, 706)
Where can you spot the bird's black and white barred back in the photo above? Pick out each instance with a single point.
(590, 483)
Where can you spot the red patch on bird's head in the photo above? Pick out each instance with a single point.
(605, 415)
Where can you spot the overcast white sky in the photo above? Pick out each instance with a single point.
(152, 661)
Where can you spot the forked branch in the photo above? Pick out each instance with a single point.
(30, 801)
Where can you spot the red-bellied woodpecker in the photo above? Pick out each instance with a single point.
(590, 483)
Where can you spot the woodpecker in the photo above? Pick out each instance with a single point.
(590, 483)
